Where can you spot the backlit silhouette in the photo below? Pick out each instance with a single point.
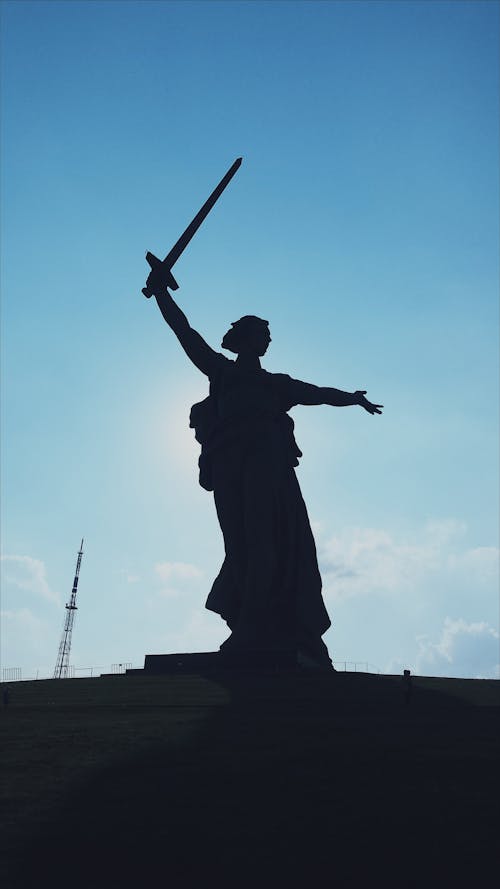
(269, 587)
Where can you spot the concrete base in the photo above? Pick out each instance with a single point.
(215, 661)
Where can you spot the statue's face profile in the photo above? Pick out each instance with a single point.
(259, 339)
(250, 335)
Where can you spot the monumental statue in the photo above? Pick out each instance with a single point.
(268, 589)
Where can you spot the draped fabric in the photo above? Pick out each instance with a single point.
(269, 587)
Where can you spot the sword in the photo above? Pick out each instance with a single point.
(172, 257)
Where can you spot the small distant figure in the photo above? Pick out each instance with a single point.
(407, 686)
(5, 696)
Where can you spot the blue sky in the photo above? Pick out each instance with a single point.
(363, 223)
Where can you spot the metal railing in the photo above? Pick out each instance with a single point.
(15, 674)
(11, 674)
(121, 668)
(356, 667)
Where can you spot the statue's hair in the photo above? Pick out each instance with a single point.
(241, 331)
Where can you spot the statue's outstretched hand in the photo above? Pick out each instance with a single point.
(368, 406)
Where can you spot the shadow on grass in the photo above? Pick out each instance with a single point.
(297, 781)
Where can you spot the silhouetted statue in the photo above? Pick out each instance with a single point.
(269, 587)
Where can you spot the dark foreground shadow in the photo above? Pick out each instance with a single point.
(297, 781)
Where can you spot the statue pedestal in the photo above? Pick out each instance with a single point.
(216, 661)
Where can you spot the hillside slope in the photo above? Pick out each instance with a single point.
(251, 781)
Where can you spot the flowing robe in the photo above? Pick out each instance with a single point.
(269, 587)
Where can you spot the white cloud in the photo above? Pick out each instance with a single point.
(443, 531)
(23, 631)
(177, 578)
(170, 592)
(463, 650)
(362, 561)
(482, 560)
(200, 630)
(30, 574)
(176, 571)
(128, 576)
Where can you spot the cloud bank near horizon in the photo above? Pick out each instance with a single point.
(440, 585)
(372, 561)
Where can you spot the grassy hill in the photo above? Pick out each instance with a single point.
(250, 781)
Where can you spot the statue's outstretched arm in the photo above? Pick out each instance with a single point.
(195, 347)
(307, 393)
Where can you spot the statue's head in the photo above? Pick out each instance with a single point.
(250, 334)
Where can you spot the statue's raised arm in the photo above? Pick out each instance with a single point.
(161, 278)
(195, 347)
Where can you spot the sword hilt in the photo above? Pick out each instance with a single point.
(162, 272)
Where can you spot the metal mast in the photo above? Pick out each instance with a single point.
(62, 664)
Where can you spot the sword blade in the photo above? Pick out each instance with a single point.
(193, 226)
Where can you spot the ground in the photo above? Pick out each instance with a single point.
(251, 781)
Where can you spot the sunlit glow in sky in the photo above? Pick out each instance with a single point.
(363, 223)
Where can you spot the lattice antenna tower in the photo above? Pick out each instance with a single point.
(62, 664)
